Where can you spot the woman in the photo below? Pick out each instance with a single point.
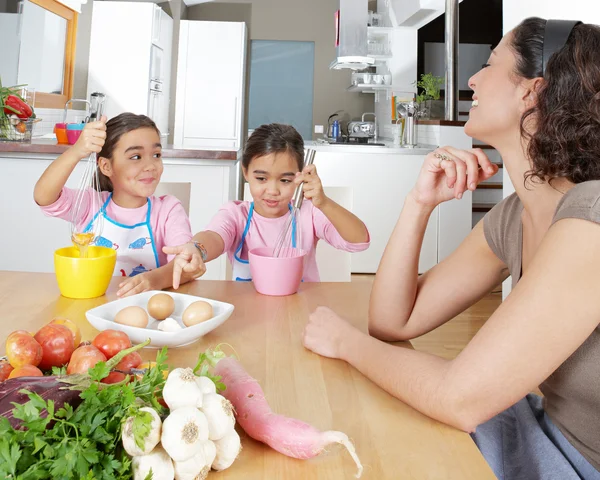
(537, 102)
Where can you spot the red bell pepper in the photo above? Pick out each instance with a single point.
(17, 106)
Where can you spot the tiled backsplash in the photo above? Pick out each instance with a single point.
(51, 116)
(428, 134)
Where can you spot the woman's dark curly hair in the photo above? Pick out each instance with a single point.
(566, 141)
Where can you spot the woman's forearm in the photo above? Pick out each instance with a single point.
(395, 287)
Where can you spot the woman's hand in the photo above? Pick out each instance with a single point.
(313, 188)
(326, 333)
(449, 172)
(91, 139)
(188, 260)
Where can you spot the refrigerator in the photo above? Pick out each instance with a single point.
(130, 61)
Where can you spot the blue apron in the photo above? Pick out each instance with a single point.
(136, 249)
(241, 268)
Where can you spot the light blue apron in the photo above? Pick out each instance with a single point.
(136, 249)
(241, 268)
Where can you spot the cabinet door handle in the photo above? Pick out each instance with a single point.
(235, 101)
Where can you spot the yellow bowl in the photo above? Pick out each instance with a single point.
(84, 277)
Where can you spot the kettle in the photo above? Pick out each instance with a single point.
(331, 133)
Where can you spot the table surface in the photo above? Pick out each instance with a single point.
(393, 440)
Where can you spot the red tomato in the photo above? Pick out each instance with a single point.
(26, 371)
(5, 369)
(22, 349)
(85, 358)
(133, 360)
(111, 342)
(71, 326)
(57, 345)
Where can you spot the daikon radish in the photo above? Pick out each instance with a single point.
(289, 436)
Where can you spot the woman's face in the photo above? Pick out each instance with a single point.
(499, 97)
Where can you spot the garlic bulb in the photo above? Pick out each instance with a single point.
(195, 468)
(228, 449)
(210, 451)
(151, 440)
(183, 433)
(206, 385)
(169, 325)
(156, 461)
(181, 389)
(219, 413)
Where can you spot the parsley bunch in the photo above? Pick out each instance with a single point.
(81, 443)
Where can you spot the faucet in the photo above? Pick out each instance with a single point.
(73, 100)
(374, 124)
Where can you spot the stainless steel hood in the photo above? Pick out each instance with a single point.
(351, 36)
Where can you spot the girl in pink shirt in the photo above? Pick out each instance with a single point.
(273, 165)
(134, 222)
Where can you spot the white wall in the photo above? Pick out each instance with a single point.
(9, 54)
(514, 11)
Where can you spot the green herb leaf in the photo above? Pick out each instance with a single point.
(142, 425)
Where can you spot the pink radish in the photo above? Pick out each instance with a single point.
(289, 436)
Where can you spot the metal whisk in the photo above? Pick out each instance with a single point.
(291, 229)
(89, 196)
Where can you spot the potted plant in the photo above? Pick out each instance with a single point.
(430, 105)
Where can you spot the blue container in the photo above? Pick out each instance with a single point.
(335, 129)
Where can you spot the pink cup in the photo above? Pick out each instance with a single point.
(276, 276)
(73, 136)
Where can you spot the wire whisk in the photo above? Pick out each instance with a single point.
(292, 230)
(89, 194)
(88, 199)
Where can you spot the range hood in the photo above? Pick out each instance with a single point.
(351, 36)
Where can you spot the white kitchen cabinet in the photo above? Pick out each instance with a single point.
(210, 85)
(130, 59)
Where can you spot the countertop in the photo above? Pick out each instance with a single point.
(387, 149)
(392, 439)
(169, 151)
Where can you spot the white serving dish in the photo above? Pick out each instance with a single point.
(102, 318)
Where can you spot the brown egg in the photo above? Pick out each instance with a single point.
(161, 306)
(132, 316)
(197, 312)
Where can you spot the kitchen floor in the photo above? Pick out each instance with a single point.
(448, 340)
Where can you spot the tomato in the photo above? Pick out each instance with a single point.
(26, 371)
(111, 342)
(84, 358)
(22, 349)
(71, 326)
(57, 345)
(132, 360)
(5, 369)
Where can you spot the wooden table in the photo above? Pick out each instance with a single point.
(392, 440)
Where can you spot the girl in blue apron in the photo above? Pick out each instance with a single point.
(134, 222)
(273, 165)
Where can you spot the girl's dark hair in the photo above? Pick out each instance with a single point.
(566, 140)
(116, 127)
(274, 138)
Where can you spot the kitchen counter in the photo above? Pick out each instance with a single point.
(42, 146)
(387, 149)
(392, 439)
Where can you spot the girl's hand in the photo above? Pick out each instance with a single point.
(449, 172)
(313, 189)
(91, 139)
(326, 332)
(138, 284)
(188, 260)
